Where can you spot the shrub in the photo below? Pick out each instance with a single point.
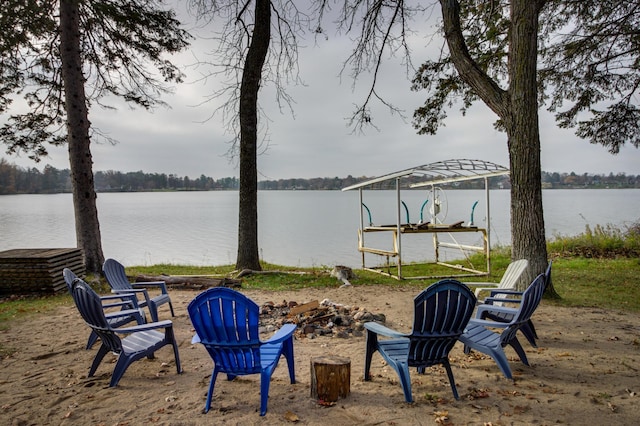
(606, 241)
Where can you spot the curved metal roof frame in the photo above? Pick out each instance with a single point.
(441, 172)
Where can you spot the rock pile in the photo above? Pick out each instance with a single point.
(325, 318)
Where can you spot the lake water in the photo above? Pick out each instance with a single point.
(297, 228)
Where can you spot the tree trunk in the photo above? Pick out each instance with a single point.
(248, 257)
(518, 109)
(527, 220)
(84, 195)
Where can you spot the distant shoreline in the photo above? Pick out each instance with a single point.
(18, 180)
(108, 191)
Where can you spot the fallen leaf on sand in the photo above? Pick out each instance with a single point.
(291, 417)
(441, 417)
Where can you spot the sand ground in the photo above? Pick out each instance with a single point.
(585, 371)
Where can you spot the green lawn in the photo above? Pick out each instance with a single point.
(603, 283)
(599, 283)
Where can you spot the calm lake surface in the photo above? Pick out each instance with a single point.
(296, 228)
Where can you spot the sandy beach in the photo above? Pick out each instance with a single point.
(584, 371)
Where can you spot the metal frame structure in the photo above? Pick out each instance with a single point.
(441, 172)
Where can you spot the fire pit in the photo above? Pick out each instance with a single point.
(325, 318)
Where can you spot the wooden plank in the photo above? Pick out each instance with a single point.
(38, 270)
(305, 307)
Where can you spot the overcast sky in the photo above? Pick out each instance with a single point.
(316, 141)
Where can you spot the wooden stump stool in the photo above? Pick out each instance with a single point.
(330, 377)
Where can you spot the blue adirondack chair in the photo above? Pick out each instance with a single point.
(442, 311)
(226, 323)
(504, 297)
(478, 335)
(128, 304)
(141, 340)
(117, 278)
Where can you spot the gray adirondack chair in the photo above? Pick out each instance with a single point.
(511, 298)
(128, 312)
(478, 334)
(141, 340)
(117, 278)
(441, 313)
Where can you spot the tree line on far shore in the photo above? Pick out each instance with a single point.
(19, 180)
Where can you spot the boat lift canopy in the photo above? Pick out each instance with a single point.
(438, 173)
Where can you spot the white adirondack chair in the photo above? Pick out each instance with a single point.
(508, 281)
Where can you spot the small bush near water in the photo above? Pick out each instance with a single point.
(602, 242)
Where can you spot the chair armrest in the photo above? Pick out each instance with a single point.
(134, 290)
(119, 296)
(478, 290)
(144, 327)
(161, 284)
(489, 285)
(281, 335)
(117, 305)
(488, 323)
(120, 301)
(490, 300)
(508, 292)
(493, 308)
(125, 300)
(127, 312)
(129, 290)
(377, 328)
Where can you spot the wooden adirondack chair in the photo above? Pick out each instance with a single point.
(117, 278)
(127, 303)
(441, 313)
(226, 323)
(507, 282)
(478, 335)
(141, 340)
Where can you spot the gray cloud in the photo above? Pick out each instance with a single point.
(317, 142)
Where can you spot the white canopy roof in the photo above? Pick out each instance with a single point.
(441, 172)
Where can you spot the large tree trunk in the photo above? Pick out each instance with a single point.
(248, 256)
(84, 195)
(527, 220)
(518, 109)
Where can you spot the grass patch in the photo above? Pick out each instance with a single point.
(606, 283)
(22, 307)
(612, 284)
(274, 278)
(171, 269)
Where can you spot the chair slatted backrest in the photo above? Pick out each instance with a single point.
(441, 313)
(547, 275)
(226, 322)
(531, 298)
(116, 275)
(90, 307)
(512, 273)
(69, 277)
